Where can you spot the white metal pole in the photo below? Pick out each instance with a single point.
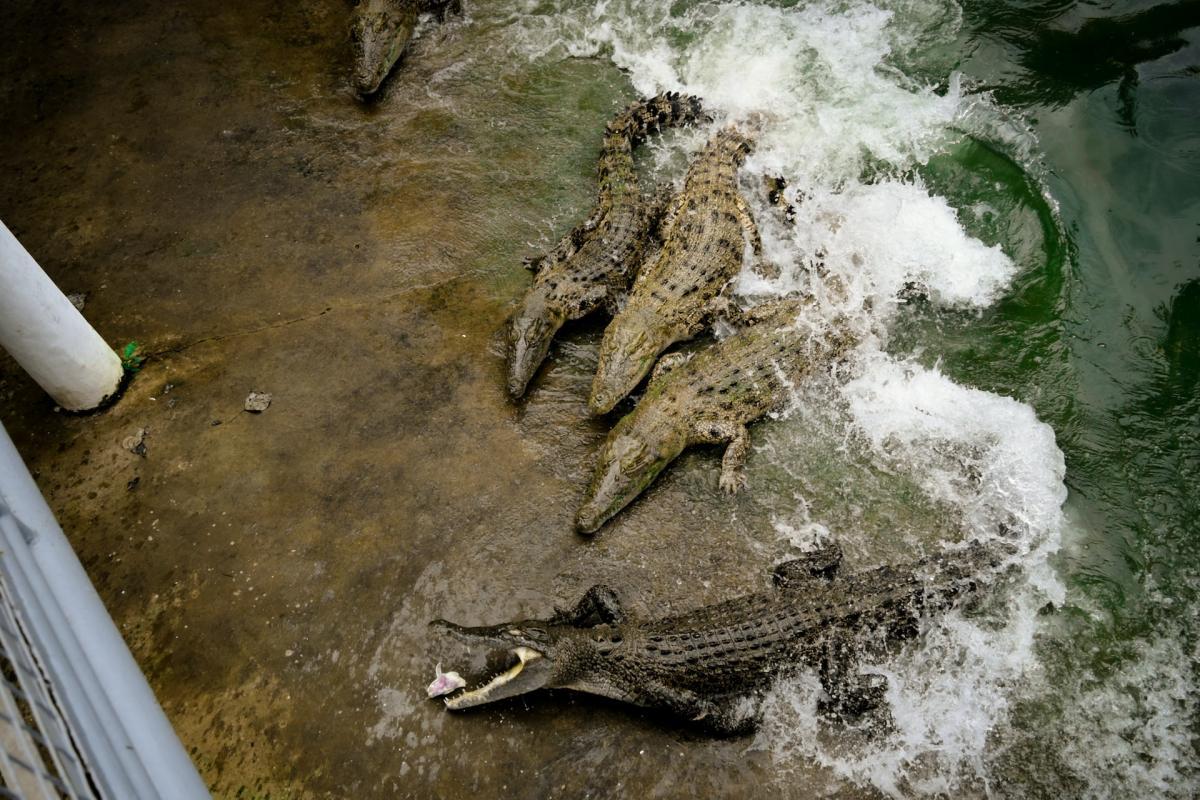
(48, 336)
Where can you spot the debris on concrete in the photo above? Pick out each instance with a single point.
(258, 402)
(136, 443)
(78, 299)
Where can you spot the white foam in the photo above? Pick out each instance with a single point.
(819, 71)
(880, 239)
(993, 460)
(1139, 723)
(988, 455)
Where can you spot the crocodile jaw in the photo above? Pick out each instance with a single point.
(626, 467)
(530, 672)
(630, 347)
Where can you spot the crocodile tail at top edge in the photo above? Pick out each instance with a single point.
(640, 119)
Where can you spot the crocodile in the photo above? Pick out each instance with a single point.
(679, 291)
(715, 663)
(709, 398)
(593, 265)
(380, 33)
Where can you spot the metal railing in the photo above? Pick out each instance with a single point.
(77, 718)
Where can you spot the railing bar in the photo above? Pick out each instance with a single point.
(44, 713)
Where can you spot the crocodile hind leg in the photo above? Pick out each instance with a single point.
(820, 564)
(737, 440)
(737, 715)
(775, 186)
(760, 265)
(849, 693)
(599, 603)
(755, 314)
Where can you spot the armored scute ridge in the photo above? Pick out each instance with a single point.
(593, 265)
(709, 399)
(380, 34)
(713, 664)
(677, 294)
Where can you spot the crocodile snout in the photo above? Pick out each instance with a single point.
(530, 333)
(630, 347)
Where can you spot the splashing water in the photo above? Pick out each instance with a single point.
(849, 126)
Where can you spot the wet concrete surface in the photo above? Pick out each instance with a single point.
(202, 173)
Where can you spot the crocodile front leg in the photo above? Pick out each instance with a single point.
(591, 299)
(722, 306)
(737, 440)
(760, 265)
(598, 603)
(850, 694)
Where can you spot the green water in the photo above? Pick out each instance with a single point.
(1112, 91)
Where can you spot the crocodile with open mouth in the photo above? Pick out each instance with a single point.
(380, 33)
(593, 265)
(713, 664)
(679, 291)
(709, 399)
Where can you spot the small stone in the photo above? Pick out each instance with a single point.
(136, 443)
(78, 299)
(258, 402)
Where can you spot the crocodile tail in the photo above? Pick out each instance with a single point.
(640, 119)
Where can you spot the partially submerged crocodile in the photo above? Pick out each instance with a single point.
(714, 663)
(709, 399)
(380, 34)
(593, 265)
(678, 292)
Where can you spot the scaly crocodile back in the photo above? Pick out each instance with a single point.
(744, 641)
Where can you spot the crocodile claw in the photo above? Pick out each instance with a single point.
(732, 482)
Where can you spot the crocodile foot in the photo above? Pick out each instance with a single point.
(865, 695)
(732, 481)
